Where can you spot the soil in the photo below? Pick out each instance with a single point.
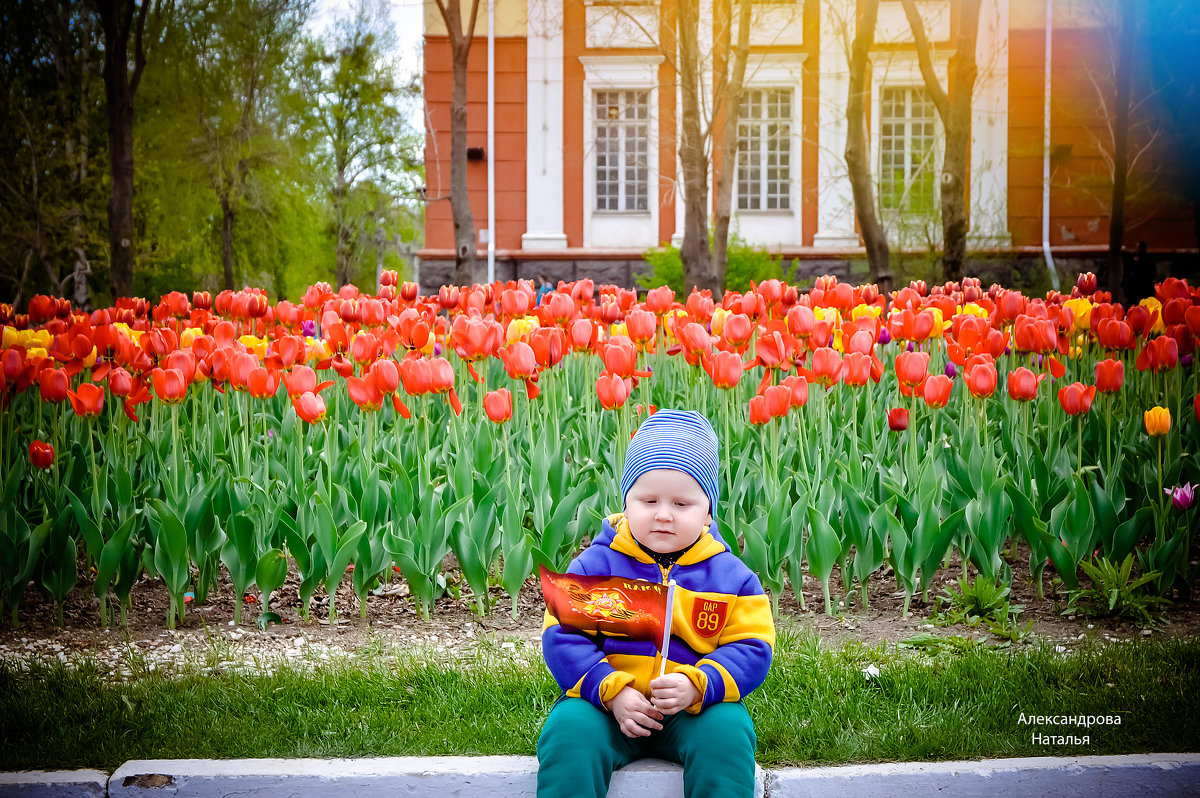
(209, 637)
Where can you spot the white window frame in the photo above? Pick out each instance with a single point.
(778, 227)
(621, 131)
(901, 70)
(620, 229)
(930, 166)
(762, 143)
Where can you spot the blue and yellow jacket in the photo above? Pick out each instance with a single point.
(722, 634)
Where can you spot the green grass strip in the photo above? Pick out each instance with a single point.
(817, 707)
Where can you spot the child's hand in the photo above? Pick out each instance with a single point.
(673, 692)
(636, 716)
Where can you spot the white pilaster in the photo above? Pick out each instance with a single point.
(989, 131)
(835, 200)
(543, 127)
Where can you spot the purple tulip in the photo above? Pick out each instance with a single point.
(1182, 496)
(911, 347)
(951, 370)
(1185, 361)
(437, 350)
(308, 328)
(885, 337)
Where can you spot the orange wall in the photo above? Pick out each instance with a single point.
(510, 139)
(1081, 183)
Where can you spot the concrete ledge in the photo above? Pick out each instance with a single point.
(491, 776)
(1138, 776)
(54, 784)
(1037, 777)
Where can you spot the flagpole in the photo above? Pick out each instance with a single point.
(667, 626)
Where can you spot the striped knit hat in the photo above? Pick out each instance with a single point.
(678, 439)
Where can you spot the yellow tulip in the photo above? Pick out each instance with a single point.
(188, 336)
(718, 320)
(10, 337)
(1158, 421)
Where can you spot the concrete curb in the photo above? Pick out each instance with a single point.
(1036, 777)
(1137, 776)
(54, 784)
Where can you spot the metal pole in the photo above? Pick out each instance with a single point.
(1046, 153)
(491, 141)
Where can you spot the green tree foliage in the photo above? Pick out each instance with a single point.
(244, 125)
(364, 152)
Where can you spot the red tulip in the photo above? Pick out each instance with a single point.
(582, 334)
(1158, 354)
(53, 384)
(980, 375)
(912, 368)
(1197, 408)
(1023, 384)
(799, 389)
(301, 380)
(498, 405)
(442, 381)
(659, 300)
(1113, 333)
(1110, 375)
(364, 393)
(612, 390)
(310, 407)
(1076, 398)
(169, 385)
(695, 341)
(41, 454)
(365, 348)
(416, 375)
(724, 368)
(386, 375)
(641, 325)
(549, 345)
(184, 360)
(263, 383)
(519, 360)
(88, 401)
(779, 400)
(737, 330)
(826, 366)
(620, 357)
(856, 369)
(898, 419)
(760, 412)
(937, 390)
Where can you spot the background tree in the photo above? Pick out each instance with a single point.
(954, 108)
(1116, 227)
(51, 140)
(364, 147)
(460, 201)
(857, 153)
(120, 20)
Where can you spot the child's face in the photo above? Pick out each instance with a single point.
(667, 510)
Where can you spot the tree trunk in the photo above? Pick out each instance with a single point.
(727, 175)
(227, 218)
(117, 20)
(460, 199)
(1116, 228)
(697, 258)
(954, 108)
(857, 160)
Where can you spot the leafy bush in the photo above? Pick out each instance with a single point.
(1114, 593)
(981, 601)
(745, 264)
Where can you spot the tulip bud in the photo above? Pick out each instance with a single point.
(898, 419)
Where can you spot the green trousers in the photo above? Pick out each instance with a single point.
(580, 747)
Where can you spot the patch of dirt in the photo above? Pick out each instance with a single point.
(209, 634)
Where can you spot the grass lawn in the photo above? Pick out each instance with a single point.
(956, 701)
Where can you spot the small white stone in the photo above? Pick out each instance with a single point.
(175, 649)
(1060, 649)
(231, 623)
(1091, 626)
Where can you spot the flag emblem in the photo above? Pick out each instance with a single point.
(610, 604)
(708, 616)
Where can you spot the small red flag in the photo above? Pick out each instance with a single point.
(613, 605)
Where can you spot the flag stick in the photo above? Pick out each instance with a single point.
(667, 626)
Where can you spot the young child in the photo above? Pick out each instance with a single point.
(615, 708)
